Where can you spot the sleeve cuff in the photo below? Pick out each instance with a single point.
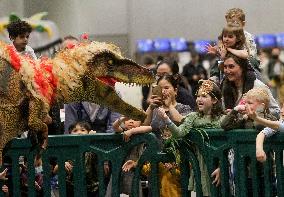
(168, 121)
(268, 132)
(281, 127)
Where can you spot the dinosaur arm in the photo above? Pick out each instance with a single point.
(37, 112)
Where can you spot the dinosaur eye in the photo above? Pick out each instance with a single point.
(110, 62)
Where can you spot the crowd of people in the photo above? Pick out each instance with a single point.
(240, 90)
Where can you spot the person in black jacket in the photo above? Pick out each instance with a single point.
(194, 71)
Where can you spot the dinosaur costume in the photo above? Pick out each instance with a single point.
(87, 72)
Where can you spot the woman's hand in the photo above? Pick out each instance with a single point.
(168, 99)
(155, 101)
(217, 179)
(128, 165)
(47, 119)
(227, 111)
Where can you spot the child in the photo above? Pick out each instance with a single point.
(271, 128)
(82, 128)
(235, 18)
(128, 127)
(238, 15)
(231, 40)
(258, 100)
(19, 32)
(208, 115)
(169, 174)
(69, 42)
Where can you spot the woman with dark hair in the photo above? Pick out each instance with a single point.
(238, 80)
(164, 96)
(168, 67)
(166, 100)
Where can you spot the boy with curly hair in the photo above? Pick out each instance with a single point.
(19, 33)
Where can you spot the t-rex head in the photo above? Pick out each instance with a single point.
(98, 66)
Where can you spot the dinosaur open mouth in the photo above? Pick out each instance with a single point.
(108, 80)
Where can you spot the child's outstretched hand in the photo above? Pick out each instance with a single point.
(211, 49)
(162, 113)
(128, 165)
(260, 155)
(3, 174)
(217, 175)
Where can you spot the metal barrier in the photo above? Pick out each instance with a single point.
(111, 147)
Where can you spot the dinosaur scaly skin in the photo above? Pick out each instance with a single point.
(85, 73)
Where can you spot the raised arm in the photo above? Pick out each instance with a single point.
(232, 121)
(182, 130)
(240, 53)
(136, 130)
(154, 102)
(276, 125)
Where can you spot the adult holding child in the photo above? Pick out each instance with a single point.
(238, 80)
(235, 40)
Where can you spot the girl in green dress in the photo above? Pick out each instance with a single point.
(209, 115)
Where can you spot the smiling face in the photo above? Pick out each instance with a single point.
(229, 40)
(204, 102)
(232, 70)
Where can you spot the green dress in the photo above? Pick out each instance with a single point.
(196, 120)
